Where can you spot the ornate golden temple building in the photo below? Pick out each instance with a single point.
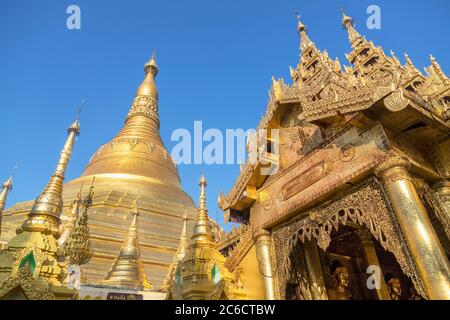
(362, 187)
(356, 205)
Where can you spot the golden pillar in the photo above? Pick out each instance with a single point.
(371, 258)
(263, 254)
(412, 217)
(314, 270)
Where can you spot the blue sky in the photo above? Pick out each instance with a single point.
(216, 59)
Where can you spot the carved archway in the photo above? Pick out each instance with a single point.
(364, 204)
(23, 286)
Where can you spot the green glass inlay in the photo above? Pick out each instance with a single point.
(215, 274)
(28, 259)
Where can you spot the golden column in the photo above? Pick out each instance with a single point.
(264, 257)
(371, 258)
(416, 227)
(314, 269)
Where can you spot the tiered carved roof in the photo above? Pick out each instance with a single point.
(326, 92)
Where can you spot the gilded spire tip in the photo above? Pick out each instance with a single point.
(151, 64)
(346, 20)
(8, 184)
(75, 126)
(300, 26)
(203, 182)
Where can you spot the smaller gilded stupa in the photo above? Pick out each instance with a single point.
(179, 255)
(201, 273)
(127, 270)
(35, 245)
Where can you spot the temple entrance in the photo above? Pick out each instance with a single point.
(343, 271)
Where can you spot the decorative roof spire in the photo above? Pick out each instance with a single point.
(202, 229)
(127, 270)
(395, 58)
(409, 64)
(437, 68)
(305, 41)
(44, 215)
(349, 24)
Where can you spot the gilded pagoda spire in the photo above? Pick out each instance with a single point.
(127, 270)
(135, 162)
(201, 274)
(5, 189)
(305, 41)
(35, 240)
(137, 150)
(349, 24)
(148, 86)
(202, 228)
(46, 210)
(179, 255)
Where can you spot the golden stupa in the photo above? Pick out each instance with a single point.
(133, 166)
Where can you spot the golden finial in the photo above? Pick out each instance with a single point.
(407, 59)
(75, 126)
(437, 68)
(148, 86)
(394, 56)
(346, 20)
(203, 184)
(8, 184)
(151, 64)
(349, 24)
(300, 26)
(202, 229)
(410, 67)
(305, 41)
(6, 187)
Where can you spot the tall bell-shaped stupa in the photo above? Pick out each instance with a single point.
(133, 167)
